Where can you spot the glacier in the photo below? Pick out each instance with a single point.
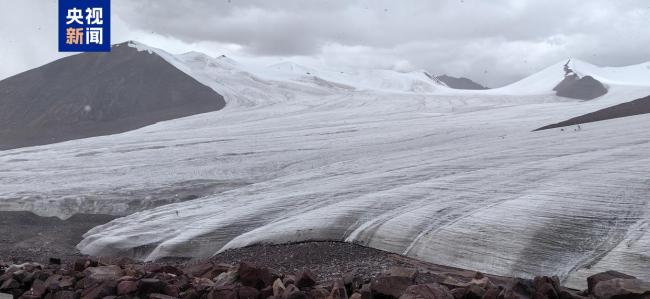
(389, 160)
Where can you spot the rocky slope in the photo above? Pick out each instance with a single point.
(93, 94)
(89, 279)
(636, 107)
(460, 83)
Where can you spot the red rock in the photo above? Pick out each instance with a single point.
(474, 291)
(9, 284)
(150, 286)
(82, 264)
(99, 290)
(160, 296)
(63, 295)
(338, 290)
(248, 293)
(253, 276)
(318, 293)
(619, 288)
(394, 282)
(428, 291)
(224, 292)
(305, 279)
(593, 280)
(546, 287)
(292, 292)
(365, 291)
(126, 287)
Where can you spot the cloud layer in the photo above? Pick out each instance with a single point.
(493, 42)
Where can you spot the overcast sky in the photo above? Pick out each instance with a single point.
(494, 42)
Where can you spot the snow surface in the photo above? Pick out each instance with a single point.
(385, 159)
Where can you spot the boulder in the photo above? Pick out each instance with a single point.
(150, 286)
(126, 287)
(546, 287)
(278, 288)
(305, 279)
(355, 296)
(366, 291)
(620, 288)
(63, 295)
(318, 293)
(9, 284)
(247, 293)
(253, 276)
(393, 283)
(338, 290)
(99, 290)
(474, 291)
(82, 264)
(222, 292)
(6, 296)
(103, 273)
(161, 296)
(593, 280)
(427, 291)
(292, 292)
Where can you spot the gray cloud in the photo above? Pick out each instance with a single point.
(494, 42)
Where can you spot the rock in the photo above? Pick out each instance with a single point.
(620, 288)
(318, 293)
(428, 291)
(103, 273)
(207, 270)
(81, 264)
(289, 279)
(546, 287)
(266, 292)
(99, 290)
(222, 292)
(37, 289)
(520, 288)
(593, 280)
(150, 286)
(568, 294)
(338, 290)
(474, 291)
(9, 284)
(352, 282)
(160, 296)
(6, 296)
(458, 293)
(482, 281)
(305, 279)
(247, 293)
(190, 294)
(292, 292)
(493, 293)
(226, 278)
(63, 295)
(55, 261)
(394, 282)
(278, 288)
(126, 287)
(365, 291)
(252, 276)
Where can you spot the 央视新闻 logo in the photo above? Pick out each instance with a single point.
(84, 26)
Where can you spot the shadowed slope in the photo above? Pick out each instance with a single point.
(93, 94)
(636, 107)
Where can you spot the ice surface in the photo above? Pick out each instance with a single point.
(451, 177)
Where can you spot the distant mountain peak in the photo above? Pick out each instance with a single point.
(459, 82)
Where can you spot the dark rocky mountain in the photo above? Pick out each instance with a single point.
(94, 94)
(636, 107)
(460, 83)
(575, 87)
